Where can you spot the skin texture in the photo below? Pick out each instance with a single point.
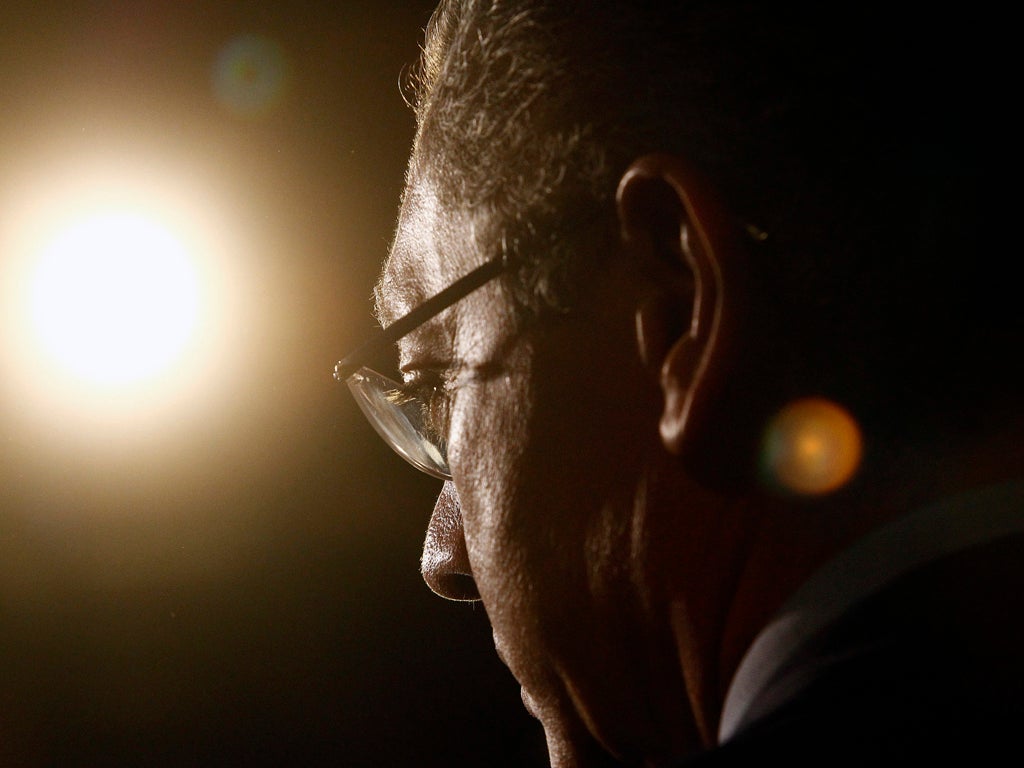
(623, 581)
(606, 505)
(570, 513)
(547, 494)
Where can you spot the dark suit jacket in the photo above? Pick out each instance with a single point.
(928, 670)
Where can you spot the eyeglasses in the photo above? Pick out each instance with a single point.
(399, 416)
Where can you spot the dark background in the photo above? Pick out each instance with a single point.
(235, 582)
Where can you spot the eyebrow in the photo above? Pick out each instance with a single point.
(430, 308)
(394, 289)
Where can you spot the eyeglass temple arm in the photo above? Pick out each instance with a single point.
(384, 338)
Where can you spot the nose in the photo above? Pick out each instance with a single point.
(445, 562)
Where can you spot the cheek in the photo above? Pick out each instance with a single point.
(547, 468)
(489, 437)
(509, 514)
(519, 555)
(552, 530)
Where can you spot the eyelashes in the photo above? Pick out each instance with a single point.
(433, 395)
(429, 393)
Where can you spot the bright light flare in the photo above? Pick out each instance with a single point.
(121, 299)
(812, 446)
(250, 75)
(114, 298)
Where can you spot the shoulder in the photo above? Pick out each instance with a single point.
(930, 666)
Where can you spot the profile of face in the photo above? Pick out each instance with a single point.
(606, 500)
(555, 517)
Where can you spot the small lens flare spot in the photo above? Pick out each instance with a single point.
(250, 75)
(812, 446)
(113, 298)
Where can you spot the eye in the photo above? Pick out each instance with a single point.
(434, 394)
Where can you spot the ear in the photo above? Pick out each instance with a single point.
(673, 224)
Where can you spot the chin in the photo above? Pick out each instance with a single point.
(607, 728)
(571, 745)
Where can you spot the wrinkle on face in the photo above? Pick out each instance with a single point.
(549, 431)
(434, 247)
(404, 282)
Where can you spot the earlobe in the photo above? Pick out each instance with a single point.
(672, 222)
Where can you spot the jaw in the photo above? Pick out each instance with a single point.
(593, 647)
(612, 706)
(551, 458)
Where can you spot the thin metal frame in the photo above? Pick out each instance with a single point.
(429, 309)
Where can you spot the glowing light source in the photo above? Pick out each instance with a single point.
(812, 446)
(121, 300)
(114, 298)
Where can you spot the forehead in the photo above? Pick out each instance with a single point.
(411, 271)
(433, 247)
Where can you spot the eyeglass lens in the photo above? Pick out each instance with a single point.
(398, 419)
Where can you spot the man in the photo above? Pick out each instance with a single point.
(721, 374)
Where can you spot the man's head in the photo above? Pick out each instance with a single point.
(854, 136)
(713, 211)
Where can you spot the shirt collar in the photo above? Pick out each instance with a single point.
(878, 558)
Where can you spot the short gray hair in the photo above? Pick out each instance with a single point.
(532, 109)
(830, 127)
(491, 99)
